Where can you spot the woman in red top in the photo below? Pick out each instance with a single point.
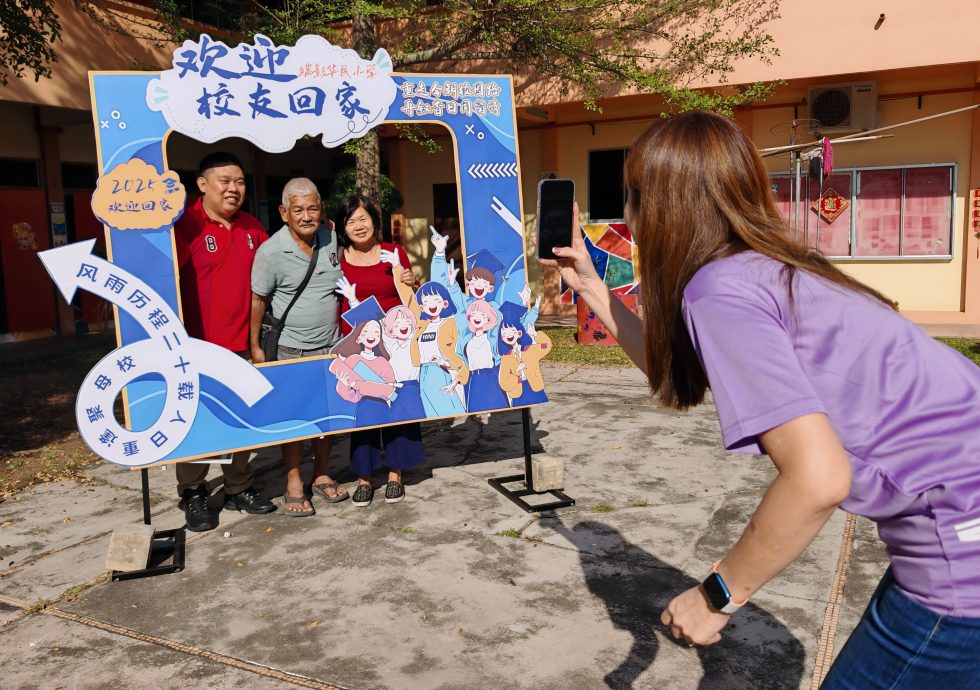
(367, 265)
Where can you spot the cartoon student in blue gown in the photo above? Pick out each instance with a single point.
(522, 348)
(478, 319)
(441, 370)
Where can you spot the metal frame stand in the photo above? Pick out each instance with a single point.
(167, 545)
(517, 495)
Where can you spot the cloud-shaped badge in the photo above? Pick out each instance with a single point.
(273, 95)
(134, 196)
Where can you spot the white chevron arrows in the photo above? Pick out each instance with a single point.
(483, 171)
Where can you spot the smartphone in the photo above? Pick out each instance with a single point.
(555, 199)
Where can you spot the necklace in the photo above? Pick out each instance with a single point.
(358, 257)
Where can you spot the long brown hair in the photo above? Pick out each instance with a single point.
(698, 191)
(349, 345)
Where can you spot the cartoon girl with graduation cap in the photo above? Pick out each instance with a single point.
(521, 354)
(398, 334)
(480, 349)
(441, 370)
(482, 269)
(364, 375)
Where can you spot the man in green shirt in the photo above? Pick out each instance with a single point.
(312, 326)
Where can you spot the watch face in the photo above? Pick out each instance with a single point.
(716, 590)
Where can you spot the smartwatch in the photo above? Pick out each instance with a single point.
(718, 594)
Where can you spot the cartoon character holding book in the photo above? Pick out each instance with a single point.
(364, 374)
(397, 335)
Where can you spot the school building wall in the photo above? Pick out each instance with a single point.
(942, 289)
(924, 62)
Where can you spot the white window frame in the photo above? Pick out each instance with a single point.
(852, 210)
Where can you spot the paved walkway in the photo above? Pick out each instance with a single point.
(455, 587)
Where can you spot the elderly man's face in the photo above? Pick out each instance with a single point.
(303, 215)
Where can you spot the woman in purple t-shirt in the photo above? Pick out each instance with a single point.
(855, 405)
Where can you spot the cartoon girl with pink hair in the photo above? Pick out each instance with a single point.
(397, 333)
(479, 349)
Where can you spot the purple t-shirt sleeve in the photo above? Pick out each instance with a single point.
(753, 371)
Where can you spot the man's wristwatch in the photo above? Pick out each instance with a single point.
(718, 594)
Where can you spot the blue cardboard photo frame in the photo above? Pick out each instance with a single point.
(187, 399)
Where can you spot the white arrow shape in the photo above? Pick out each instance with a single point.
(61, 264)
(168, 352)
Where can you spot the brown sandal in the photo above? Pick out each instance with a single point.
(339, 492)
(293, 500)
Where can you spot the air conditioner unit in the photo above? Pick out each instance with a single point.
(849, 107)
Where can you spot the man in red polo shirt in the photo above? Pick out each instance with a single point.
(216, 244)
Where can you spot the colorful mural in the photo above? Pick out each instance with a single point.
(615, 256)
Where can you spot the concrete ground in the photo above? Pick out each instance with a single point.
(456, 587)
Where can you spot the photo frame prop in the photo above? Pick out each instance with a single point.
(187, 399)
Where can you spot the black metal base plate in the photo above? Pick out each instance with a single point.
(517, 495)
(166, 556)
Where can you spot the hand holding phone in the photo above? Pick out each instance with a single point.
(555, 199)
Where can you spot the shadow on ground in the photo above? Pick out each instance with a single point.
(756, 650)
(476, 439)
(40, 380)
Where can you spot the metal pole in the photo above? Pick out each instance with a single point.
(796, 200)
(526, 418)
(145, 477)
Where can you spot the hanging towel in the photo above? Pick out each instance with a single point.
(828, 157)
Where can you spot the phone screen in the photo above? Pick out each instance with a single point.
(555, 199)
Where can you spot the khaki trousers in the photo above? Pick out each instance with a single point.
(238, 474)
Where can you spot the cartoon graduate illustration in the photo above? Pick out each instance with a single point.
(364, 374)
(521, 354)
(478, 346)
(478, 317)
(397, 333)
(441, 369)
(482, 279)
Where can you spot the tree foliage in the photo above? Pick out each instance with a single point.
(586, 48)
(28, 32)
(574, 49)
(345, 185)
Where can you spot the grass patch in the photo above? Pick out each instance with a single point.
(73, 593)
(511, 533)
(566, 349)
(26, 468)
(36, 607)
(967, 347)
(407, 530)
(638, 503)
(602, 508)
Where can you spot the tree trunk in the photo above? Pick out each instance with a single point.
(368, 154)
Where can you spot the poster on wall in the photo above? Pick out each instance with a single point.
(186, 398)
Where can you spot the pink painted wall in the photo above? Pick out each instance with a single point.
(838, 37)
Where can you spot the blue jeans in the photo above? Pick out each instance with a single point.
(901, 645)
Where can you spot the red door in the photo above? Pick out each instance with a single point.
(28, 291)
